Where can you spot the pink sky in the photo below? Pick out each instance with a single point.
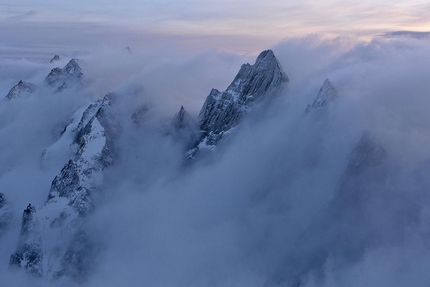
(242, 26)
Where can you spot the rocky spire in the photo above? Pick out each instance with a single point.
(181, 119)
(326, 94)
(224, 110)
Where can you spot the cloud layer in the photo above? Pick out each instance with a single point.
(267, 207)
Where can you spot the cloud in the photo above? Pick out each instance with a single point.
(268, 201)
(20, 17)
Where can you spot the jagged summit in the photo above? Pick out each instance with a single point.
(181, 119)
(22, 89)
(55, 59)
(69, 76)
(253, 82)
(222, 111)
(326, 94)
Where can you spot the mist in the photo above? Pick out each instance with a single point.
(273, 204)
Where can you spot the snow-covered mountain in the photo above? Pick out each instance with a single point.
(297, 195)
(222, 111)
(69, 76)
(51, 243)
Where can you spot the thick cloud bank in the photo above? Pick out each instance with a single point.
(336, 196)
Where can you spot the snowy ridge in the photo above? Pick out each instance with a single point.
(222, 111)
(50, 237)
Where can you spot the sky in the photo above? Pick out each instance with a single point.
(41, 28)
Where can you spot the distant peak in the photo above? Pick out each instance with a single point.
(55, 59)
(326, 94)
(70, 75)
(21, 89)
(72, 64)
(265, 55)
(181, 119)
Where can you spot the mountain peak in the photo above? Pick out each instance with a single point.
(73, 67)
(222, 111)
(21, 89)
(70, 75)
(181, 119)
(326, 94)
(55, 59)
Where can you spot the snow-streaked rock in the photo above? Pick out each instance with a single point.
(52, 244)
(222, 111)
(22, 89)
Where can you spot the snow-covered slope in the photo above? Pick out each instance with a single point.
(51, 242)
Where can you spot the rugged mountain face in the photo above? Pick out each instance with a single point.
(222, 111)
(52, 244)
(22, 89)
(69, 76)
(326, 95)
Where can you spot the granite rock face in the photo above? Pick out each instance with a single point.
(223, 111)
